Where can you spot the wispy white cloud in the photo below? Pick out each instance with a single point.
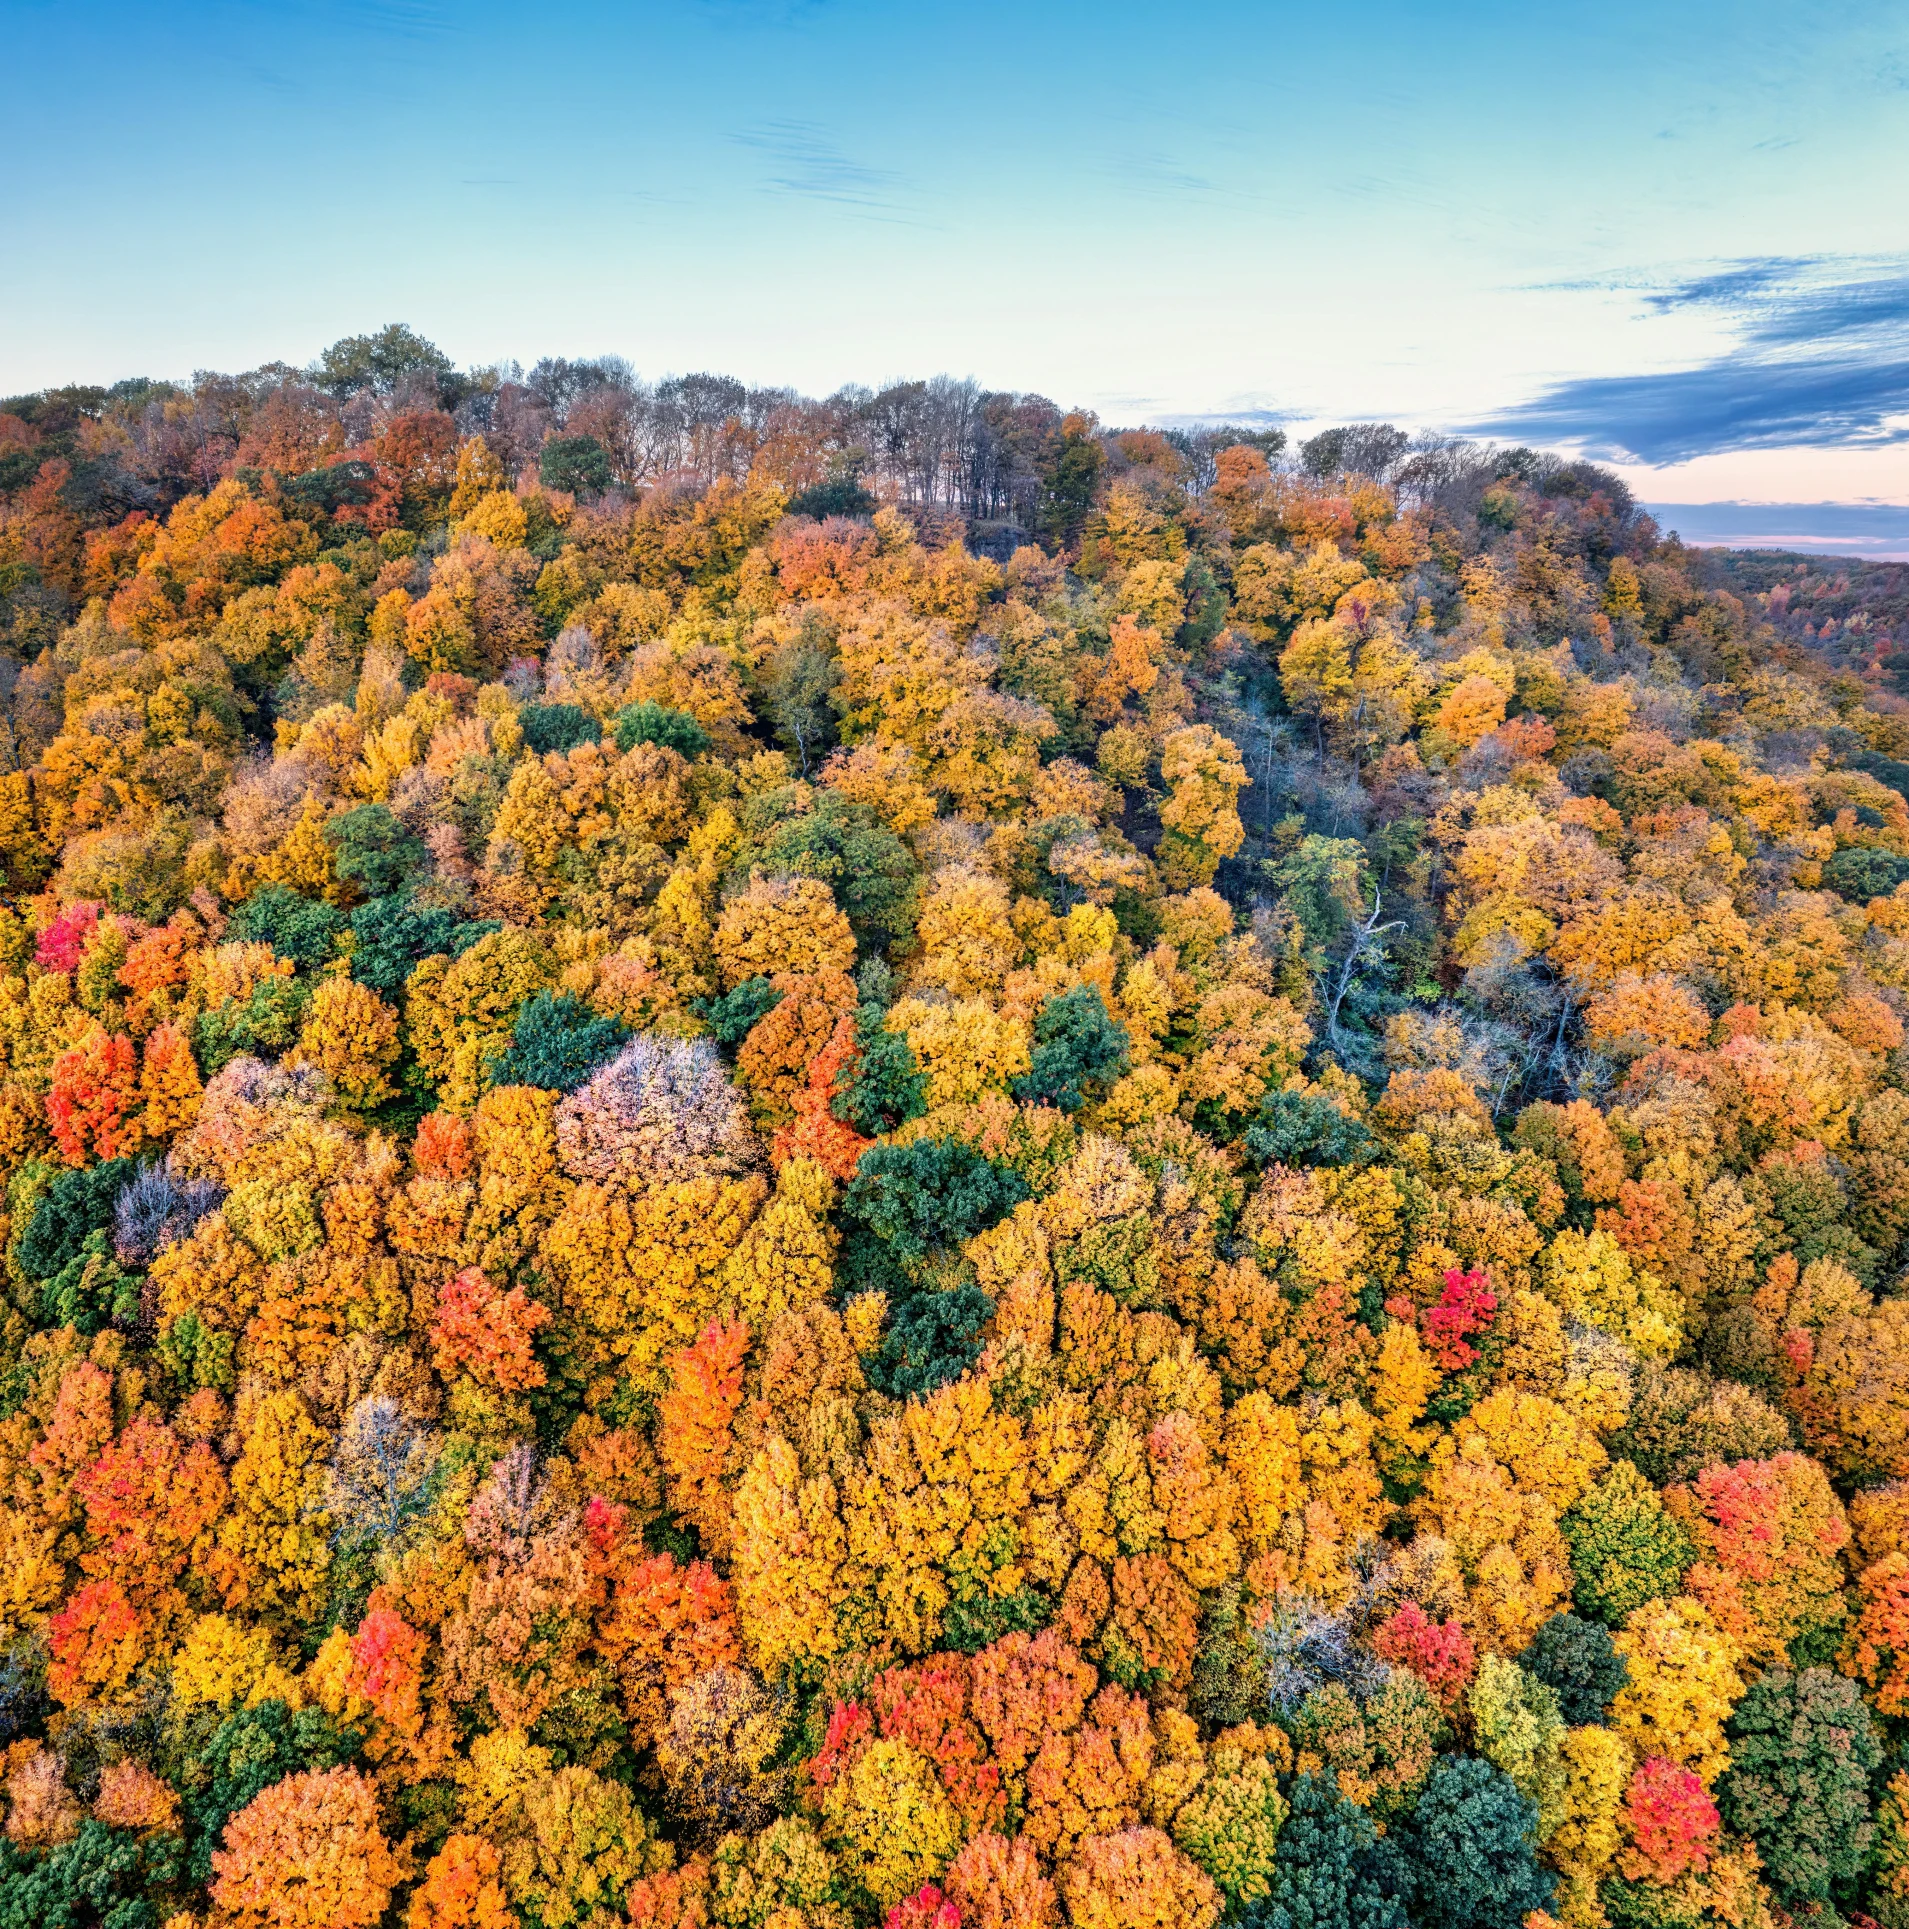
(803, 159)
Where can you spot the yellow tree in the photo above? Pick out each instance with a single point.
(927, 1508)
(278, 1527)
(968, 942)
(1201, 818)
(785, 1262)
(460, 1012)
(169, 1083)
(792, 1569)
(1683, 1685)
(642, 1276)
(351, 1035)
(783, 925)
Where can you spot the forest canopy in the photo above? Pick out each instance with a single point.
(790, 1164)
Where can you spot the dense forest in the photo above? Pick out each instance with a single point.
(1853, 614)
(782, 1164)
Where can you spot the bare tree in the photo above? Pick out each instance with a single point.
(382, 1471)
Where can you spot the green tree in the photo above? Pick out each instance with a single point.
(373, 850)
(884, 1085)
(906, 1202)
(1077, 1046)
(1473, 1840)
(1301, 1128)
(390, 938)
(1802, 1751)
(1576, 1661)
(1625, 1547)
(264, 1023)
(91, 1290)
(299, 928)
(841, 495)
(378, 362)
(1070, 478)
(575, 463)
(74, 1205)
(932, 1338)
(1864, 873)
(558, 1042)
(733, 1016)
(1331, 1870)
(870, 870)
(648, 722)
(557, 726)
(103, 1876)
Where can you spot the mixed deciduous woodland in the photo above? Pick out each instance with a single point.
(777, 1164)
(1852, 614)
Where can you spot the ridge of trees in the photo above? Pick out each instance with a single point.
(784, 1165)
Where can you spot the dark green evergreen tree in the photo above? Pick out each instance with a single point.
(1300, 1128)
(1331, 1870)
(1473, 1843)
(733, 1016)
(1576, 1660)
(103, 1878)
(558, 1042)
(1078, 1049)
(576, 463)
(299, 928)
(391, 937)
(75, 1204)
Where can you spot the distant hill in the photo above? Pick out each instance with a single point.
(1853, 615)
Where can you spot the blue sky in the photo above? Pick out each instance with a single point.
(1672, 234)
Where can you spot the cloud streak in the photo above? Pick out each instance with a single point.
(804, 161)
(1821, 359)
(1864, 529)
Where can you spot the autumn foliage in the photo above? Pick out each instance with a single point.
(758, 1183)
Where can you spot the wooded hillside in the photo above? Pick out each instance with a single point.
(783, 1164)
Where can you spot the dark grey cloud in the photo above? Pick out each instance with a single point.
(1878, 531)
(1821, 359)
